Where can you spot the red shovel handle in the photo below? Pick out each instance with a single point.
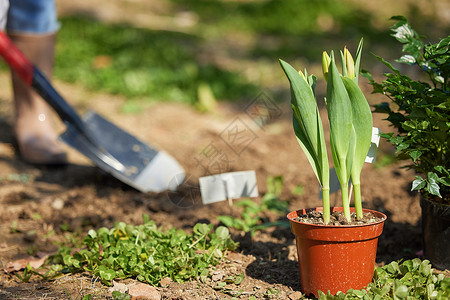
(16, 59)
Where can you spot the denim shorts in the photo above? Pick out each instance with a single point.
(32, 16)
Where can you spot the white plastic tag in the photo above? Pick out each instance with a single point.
(227, 186)
(334, 183)
(370, 158)
(372, 155)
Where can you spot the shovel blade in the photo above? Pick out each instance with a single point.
(146, 168)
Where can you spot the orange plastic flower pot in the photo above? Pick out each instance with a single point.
(335, 258)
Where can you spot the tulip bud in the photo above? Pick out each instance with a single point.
(349, 64)
(303, 75)
(326, 60)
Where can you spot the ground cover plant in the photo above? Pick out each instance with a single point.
(145, 252)
(410, 279)
(420, 109)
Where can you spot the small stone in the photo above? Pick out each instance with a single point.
(234, 257)
(118, 287)
(165, 281)
(58, 204)
(295, 296)
(343, 220)
(143, 291)
(217, 275)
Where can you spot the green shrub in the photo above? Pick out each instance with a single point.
(420, 109)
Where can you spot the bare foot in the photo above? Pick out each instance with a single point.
(38, 142)
(37, 139)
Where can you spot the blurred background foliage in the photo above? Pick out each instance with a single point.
(135, 62)
(171, 50)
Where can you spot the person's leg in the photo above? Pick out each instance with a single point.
(4, 4)
(32, 26)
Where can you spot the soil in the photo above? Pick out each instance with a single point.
(337, 218)
(41, 205)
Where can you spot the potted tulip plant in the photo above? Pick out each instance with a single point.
(334, 257)
(421, 116)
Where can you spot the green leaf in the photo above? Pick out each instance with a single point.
(401, 291)
(202, 229)
(444, 181)
(217, 253)
(317, 164)
(227, 220)
(222, 232)
(387, 64)
(108, 275)
(418, 184)
(403, 32)
(385, 290)
(247, 203)
(307, 123)
(120, 296)
(415, 154)
(342, 132)
(358, 60)
(220, 285)
(425, 268)
(393, 268)
(362, 126)
(239, 279)
(407, 59)
(92, 233)
(358, 293)
(275, 184)
(298, 190)
(340, 117)
(433, 187)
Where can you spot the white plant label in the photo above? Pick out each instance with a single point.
(334, 183)
(228, 186)
(370, 158)
(372, 155)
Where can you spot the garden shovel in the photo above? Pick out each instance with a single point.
(107, 146)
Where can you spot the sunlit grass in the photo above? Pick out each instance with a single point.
(133, 62)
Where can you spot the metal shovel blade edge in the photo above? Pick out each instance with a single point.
(146, 168)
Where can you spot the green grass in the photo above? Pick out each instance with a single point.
(285, 18)
(166, 66)
(121, 59)
(288, 28)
